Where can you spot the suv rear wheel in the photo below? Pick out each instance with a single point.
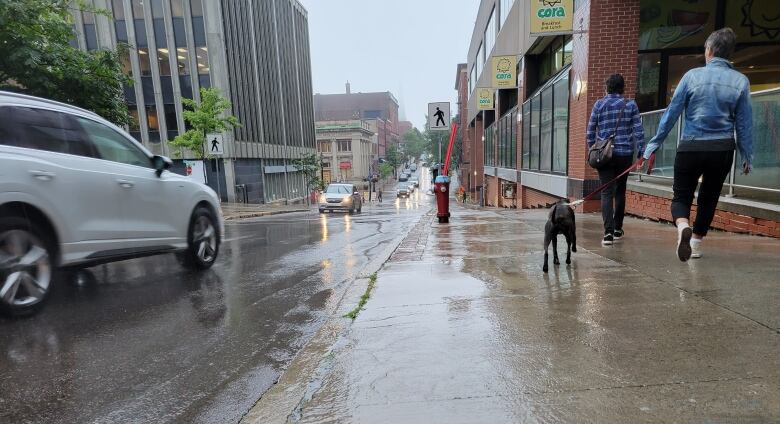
(202, 240)
(26, 267)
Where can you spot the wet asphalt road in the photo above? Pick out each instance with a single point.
(146, 341)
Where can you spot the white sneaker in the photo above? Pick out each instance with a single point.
(684, 243)
(696, 250)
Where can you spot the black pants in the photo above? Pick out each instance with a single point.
(613, 198)
(712, 167)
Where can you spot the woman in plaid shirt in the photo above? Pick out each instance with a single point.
(628, 144)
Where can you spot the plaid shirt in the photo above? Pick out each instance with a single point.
(629, 134)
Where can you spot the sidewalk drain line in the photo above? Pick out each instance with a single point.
(363, 299)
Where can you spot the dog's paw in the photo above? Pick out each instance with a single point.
(545, 268)
(556, 262)
(568, 261)
(574, 249)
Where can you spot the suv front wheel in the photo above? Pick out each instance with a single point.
(202, 240)
(26, 267)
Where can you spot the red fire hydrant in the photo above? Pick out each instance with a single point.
(442, 188)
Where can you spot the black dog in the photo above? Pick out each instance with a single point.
(561, 221)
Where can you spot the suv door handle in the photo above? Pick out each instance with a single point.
(42, 175)
(125, 183)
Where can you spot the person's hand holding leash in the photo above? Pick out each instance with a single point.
(747, 168)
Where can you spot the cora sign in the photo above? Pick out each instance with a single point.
(551, 17)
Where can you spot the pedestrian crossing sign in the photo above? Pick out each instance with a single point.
(215, 145)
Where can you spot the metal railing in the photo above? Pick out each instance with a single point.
(764, 182)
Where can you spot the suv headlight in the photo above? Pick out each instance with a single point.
(347, 199)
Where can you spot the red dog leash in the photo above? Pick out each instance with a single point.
(636, 165)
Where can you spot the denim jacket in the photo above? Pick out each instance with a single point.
(716, 99)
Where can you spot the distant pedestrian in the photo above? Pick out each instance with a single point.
(716, 100)
(615, 116)
(379, 195)
(462, 194)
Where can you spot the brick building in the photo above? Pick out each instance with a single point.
(380, 110)
(533, 139)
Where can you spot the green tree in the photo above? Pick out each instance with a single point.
(385, 170)
(393, 157)
(205, 117)
(415, 143)
(310, 166)
(36, 58)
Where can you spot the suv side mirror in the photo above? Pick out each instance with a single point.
(161, 163)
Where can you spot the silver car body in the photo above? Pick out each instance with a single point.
(100, 209)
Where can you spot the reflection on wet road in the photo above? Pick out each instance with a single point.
(144, 340)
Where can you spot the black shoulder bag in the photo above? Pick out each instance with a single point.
(600, 153)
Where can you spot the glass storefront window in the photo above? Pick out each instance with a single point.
(526, 135)
(545, 127)
(648, 78)
(766, 143)
(761, 64)
(545, 142)
(535, 103)
(667, 24)
(754, 20)
(678, 66)
(561, 125)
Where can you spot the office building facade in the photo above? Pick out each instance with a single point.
(255, 53)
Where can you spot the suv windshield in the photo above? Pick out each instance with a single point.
(338, 189)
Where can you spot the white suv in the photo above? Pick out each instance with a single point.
(77, 191)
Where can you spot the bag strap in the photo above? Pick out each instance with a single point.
(620, 116)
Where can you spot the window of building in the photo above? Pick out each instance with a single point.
(555, 56)
(488, 145)
(472, 79)
(345, 145)
(203, 60)
(526, 136)
(490, 32)
(198, 29)
(504, 8)
(545, 126)
(170, 121)
(648, 78)
(138, 23)
(144, 62)
(506, 142)
(90, 33)
(182, 62)
(324, 146)
(676, 23)
(480, 59)
(372, 114)
(560, 148)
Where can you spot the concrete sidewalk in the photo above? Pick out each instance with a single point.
(233, 211)
(463, 326)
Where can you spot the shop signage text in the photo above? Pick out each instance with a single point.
(503, 68)
(551, 16)
(485, 98)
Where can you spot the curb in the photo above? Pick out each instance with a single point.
(304, 373)
(261, 214)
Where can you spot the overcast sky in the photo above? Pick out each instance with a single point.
(408, 47)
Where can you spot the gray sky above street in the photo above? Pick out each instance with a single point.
(408, 47)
